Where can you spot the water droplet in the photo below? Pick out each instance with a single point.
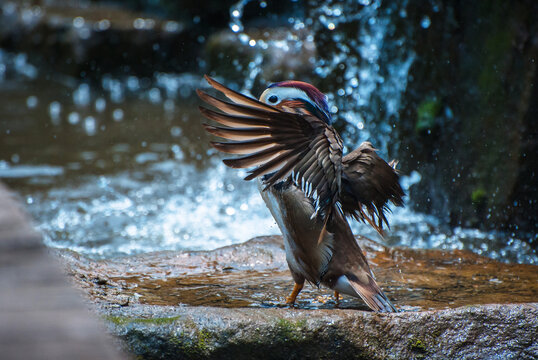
(54, 110)
(100, 105)
(169, 105)
(138, 23)
(425, 22)
(155, 95)
(31, 102)
(81, 96)
(78, 22)
(103, 25)
(90, 125)
(175, 131)
(73, 118)
(173, 26)
(133, 84)
(117, 114)
(84, 33)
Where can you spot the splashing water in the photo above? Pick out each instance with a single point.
(374, 75)
(161, 188)
(176, 207)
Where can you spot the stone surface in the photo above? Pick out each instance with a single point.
(227, 303)
(41, 316)
(473, 332)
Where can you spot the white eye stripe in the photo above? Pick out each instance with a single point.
(283, 93)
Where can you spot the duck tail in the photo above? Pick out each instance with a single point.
(371, 293)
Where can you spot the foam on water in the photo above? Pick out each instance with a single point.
(164, 205)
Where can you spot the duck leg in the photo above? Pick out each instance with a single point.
(337, 297)
(296, 290)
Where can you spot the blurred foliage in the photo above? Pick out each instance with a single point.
(427, 111)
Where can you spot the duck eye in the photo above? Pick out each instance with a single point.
(273, 99)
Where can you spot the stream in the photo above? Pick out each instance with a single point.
(111, 166)
(123, 167)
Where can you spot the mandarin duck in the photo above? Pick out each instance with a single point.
(309, 186)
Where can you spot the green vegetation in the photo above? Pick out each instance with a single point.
(287, 330)
(479, 196)
(427, 111)
(418, 346)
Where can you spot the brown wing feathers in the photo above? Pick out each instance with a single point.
(239, 98)
(319, 172)
(368, 184)
(280, 142)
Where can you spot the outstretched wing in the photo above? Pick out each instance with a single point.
(368, 184)
(277, 142)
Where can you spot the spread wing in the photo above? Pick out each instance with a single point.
(368, 184)
(277, 142)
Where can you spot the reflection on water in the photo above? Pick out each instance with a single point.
(123, 167)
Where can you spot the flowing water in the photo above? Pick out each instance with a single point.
(122, 166)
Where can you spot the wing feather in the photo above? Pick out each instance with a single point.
(237, 133)
(255, 159)
(239, 98)
(368, 185)
(244, 147)
(279, 143)
(234, 120)
(274, 164)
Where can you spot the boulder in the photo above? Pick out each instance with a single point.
(228, 303)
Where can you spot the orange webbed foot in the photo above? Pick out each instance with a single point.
(290, 300)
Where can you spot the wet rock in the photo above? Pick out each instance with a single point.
(227, 303)
(487, 332)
